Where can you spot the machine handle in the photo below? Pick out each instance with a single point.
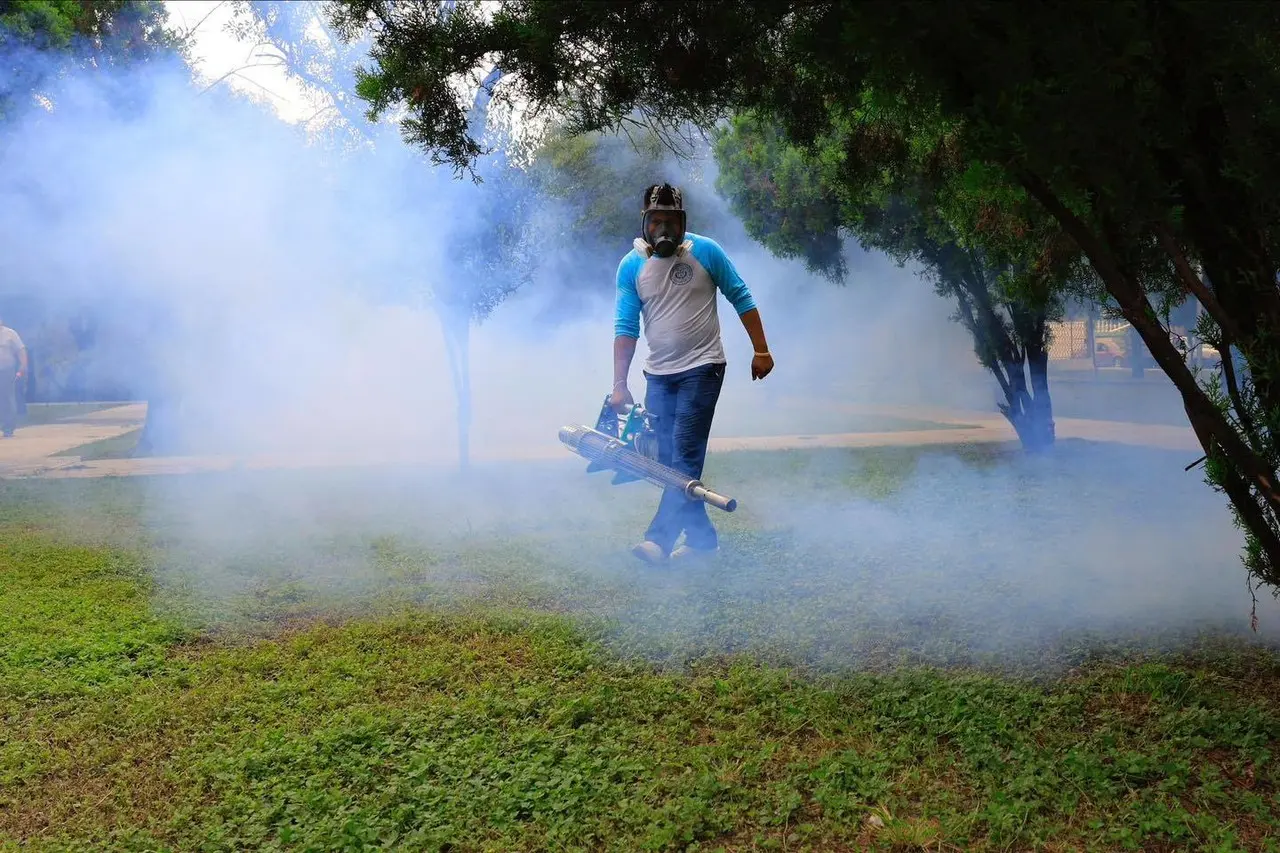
(626, 410)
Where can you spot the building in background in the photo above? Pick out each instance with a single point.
(1087, 340)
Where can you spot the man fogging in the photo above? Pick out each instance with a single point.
(672, 278)
(13, 372)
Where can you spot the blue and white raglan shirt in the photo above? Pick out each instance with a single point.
(677, 298)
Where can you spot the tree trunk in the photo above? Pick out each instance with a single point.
(1028, 412)
(1041, 425)
(146, 445)
(158, 430)
(1033, 418)
(1091, 339)
(457, 335)
(1133, 343)
(464, 400)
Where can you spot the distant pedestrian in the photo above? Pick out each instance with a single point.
(13, 372)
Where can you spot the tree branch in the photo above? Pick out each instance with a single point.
(997, 363)
(1233, 391)
(235, 72)
(1194, 284)
(190, 32)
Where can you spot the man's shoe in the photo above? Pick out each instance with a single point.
(650, 552)
(684, 552)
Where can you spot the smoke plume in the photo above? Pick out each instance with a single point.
(281, 291)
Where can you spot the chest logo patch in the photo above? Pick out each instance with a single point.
(681, 273)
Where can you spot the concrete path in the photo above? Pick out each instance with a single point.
(31, 452)
(33, 448)
(976, 426)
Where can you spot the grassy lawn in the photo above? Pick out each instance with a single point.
(814, 418)
(897, 650)
(814, 413)
(120, 447)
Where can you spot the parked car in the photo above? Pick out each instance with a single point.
(1108, 353)
(1209, 356)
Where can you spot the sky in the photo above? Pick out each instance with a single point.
(252, 68)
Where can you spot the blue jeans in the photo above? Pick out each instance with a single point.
(683, 406)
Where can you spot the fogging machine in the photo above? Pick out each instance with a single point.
(626, 444)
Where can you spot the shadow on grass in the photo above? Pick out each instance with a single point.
(123, 446)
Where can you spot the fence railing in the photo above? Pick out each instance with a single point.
(1102, 326)
(1070, 338)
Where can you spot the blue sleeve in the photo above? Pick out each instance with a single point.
(724, 274)
(626, 310)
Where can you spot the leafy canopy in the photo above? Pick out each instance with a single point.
(800, 202)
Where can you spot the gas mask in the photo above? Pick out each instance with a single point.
(668, 236)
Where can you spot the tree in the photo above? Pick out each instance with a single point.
(42, 39)
(53, 24)
(588, 174)
(496, 253)
(1146, 130)
(491, 241)
(801, 206)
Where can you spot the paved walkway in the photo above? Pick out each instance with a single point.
(32, 448)
(32, 451)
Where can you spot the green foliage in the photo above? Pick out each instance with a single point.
(55, 21)
(41, 38)
(783, 196)
(591, 174)
(595, 182)
(25, 19)
(291, 722)
(420, 57)
(866, 182)
(121, 26)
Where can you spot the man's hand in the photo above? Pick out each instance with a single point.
(621, 398)
(761, 366)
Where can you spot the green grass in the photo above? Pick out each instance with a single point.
(819, 420)
(118, 447)
(359, 687)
